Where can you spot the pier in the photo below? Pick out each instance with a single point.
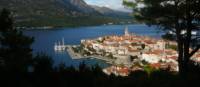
(76, 56)
(61, 47)
(72, 54)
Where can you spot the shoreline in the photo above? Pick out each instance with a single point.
(54, 27)
(77, 56)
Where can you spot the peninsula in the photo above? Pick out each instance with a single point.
(129, 52)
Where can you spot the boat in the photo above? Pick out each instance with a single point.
(60, 47)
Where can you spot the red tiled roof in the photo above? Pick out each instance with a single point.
(157, 52)
(173, 57)
(155, 65)
(149, 42)
(124, 70)
(198, 56)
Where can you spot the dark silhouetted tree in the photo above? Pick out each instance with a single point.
(15, 48)
(143, 46)
(42, 64)
(6, 20)
(172, 15)
(169, 36)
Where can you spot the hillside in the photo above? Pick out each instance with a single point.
(110, 12)
(56, 13)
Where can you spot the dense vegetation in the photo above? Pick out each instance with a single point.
(69, 21)
(169, 36)
(176, 16)
(18, 68)
(45, 76)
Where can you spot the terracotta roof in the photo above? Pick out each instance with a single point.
(197, 56)
(156, 52)
(170, 51)
(173, 57)
(123, 70)
(155, 65)
(149, 42)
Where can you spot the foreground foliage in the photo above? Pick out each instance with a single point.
(18, 68)
(176, 16)
(93, 77)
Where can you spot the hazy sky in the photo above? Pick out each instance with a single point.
(113, 4)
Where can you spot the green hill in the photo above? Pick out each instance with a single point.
(56, 13)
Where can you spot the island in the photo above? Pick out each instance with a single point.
(128, 53)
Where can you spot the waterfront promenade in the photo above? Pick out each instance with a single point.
(76, 56)
(72, 54)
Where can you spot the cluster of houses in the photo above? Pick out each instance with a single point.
(116, 70)
(156, 52)
(196, 58)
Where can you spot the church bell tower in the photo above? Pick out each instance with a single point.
(126, 33)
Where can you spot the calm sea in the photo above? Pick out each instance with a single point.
(45, 39)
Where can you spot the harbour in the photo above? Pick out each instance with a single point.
(123, 52)
(45, 40)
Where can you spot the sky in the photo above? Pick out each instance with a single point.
(113, 4)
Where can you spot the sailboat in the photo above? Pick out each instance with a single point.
(60, 46)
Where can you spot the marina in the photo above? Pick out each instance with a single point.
(125, 51)
(77, 56)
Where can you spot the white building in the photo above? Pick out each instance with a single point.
(97, 46)
(126, 33)
(151, 58)
(160, 45)
(110, 49)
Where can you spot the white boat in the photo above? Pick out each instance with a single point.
(60, 47)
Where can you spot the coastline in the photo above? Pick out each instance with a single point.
(77, 56)
(55, 27)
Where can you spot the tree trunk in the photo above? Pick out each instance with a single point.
(187, 39)
(180, 55)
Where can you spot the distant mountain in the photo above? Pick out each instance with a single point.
(55, 12)
(82, 6)
(47, 7)
(110, 12)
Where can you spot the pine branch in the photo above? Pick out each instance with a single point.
(194, 51)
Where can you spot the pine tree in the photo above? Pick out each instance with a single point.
(172, 15)
(15, 48)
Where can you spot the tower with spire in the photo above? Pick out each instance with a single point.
(126, 33)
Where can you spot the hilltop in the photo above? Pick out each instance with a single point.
(59, 13)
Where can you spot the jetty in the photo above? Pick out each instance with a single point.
(77, 56)
(73, 54)
(61, 47)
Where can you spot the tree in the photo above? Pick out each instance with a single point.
(143, 46)
(172, 15)
(6, 22)
(168, 36)
(42, 64)
(15, 48)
